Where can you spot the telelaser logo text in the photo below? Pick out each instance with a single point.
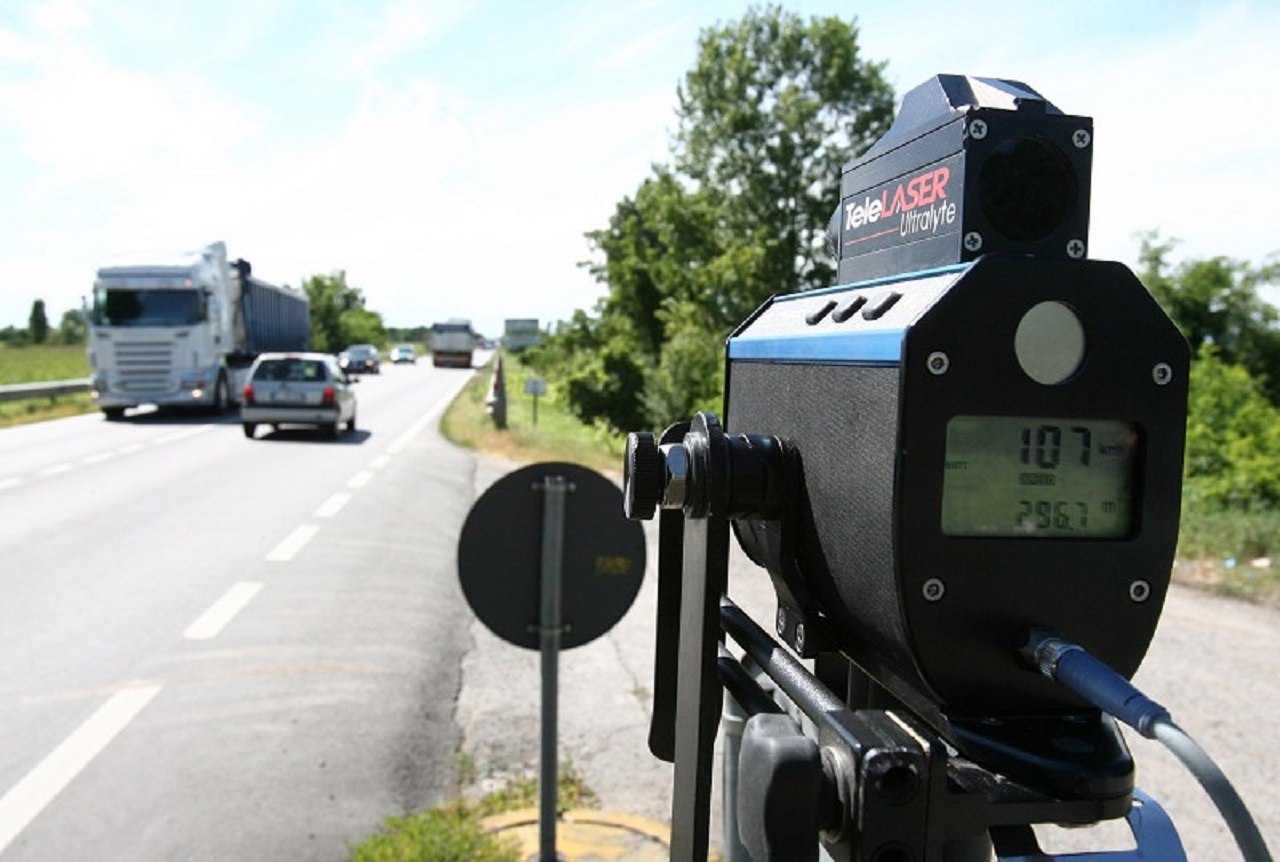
(921, 204)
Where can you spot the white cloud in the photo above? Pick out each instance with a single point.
(59, 17)
(404, 27)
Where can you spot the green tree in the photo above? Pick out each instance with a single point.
(773, 108)
(769, 115)
(1233, 437)
(1216, 301)
(338, 314)
(38, 323)
(72, 329)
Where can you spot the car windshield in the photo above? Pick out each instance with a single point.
(290, 371)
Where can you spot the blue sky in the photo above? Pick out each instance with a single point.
(450, 156)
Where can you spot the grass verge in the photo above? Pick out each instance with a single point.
(555, 435)
(455, 832)
(41, 409)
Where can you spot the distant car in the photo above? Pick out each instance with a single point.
(403, 353)
(297, 389)
(360, 359)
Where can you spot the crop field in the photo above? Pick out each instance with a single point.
(36, 363)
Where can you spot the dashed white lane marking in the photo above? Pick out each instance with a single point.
(26, 799)
(360, 479)
(181, 435)
(213, 621)
(130, 449)
(294, 542)
(98, 458)
(380, 462)
(9, 483)
(55, 469)
(333, 505)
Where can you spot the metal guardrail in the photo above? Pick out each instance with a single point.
(45, 389)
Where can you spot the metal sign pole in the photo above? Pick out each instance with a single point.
(554, 489)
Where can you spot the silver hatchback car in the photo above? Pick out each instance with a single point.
(297, 389)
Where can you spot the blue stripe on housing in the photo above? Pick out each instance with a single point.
(877, 347)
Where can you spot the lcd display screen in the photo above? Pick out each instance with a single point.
(1039, 477)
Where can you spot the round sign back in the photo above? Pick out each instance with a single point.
(500, 556)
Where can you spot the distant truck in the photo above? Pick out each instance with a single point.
(181, 330)
(519, 333)
(452, 343)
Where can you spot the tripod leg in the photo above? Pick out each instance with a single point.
(706, 561)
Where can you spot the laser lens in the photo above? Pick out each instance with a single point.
(1027, 188)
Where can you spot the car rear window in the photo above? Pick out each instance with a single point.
(291, 370)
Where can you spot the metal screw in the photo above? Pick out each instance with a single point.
(782, 622)
(1081, 138)
(978, 129)
(1162, 373)
(800, 637)
(1139, 591)
(1075, 249)
(938, 363)
(972, 241)
(934, 589)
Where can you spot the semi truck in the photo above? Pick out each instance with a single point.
(180, 330)
(452, 343)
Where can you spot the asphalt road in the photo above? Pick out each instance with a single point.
(224, 649)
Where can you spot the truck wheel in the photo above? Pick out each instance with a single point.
(249, 429)
(113, 414)
(221, 395)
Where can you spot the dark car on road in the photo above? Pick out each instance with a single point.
(297, 389)
(360, 359)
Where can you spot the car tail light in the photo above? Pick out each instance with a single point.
(329, 398)
(248, 394)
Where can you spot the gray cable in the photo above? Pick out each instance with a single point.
(1220, 790)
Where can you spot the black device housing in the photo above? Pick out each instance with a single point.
(971, 166)
(860, 556)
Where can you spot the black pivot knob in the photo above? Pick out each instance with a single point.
(642, 477)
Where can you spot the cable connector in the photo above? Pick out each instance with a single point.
(1070, 665)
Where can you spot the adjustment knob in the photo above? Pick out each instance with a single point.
(642, 476)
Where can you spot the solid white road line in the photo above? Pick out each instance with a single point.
(430, 416)
(294, 542)
(333, 505)
(213, 621)
(26, 799)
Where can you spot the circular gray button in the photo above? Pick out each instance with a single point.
(1050, 343)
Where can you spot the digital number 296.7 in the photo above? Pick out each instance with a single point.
(1063, 515)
